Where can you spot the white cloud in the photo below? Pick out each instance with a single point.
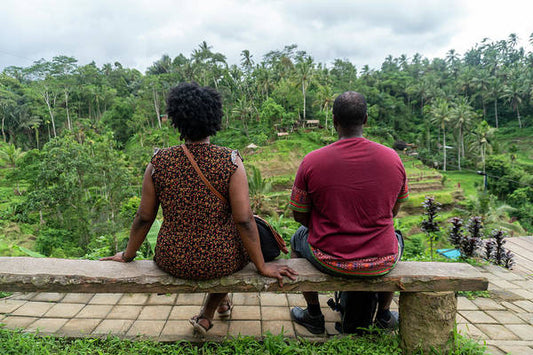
(136, 33)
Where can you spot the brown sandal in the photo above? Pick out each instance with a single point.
(224, 308)
(199, 328)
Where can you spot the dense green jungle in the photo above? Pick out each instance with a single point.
(76, 138)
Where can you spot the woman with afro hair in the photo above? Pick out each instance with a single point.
(202, 236)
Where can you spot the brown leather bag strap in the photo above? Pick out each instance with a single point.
(202, 176)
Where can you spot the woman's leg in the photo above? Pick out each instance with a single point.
(211, 303)
(205, 318)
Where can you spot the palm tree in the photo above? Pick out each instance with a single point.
(452, 58)
(258, 187)
(513, 92)
(462, 115)
(440, 111)
(481, 82)
(7, 102)
(247, 62)
(481, 144)
(11, 154)
(304, 74)
(495, 91)
(243, 110)
(325, 98)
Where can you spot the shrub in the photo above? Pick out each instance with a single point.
(429, 225)
(472, 241)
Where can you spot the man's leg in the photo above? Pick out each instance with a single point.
(311, 318)
(384, 317)
(384, 300)
(311, 297)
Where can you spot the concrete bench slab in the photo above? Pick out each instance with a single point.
(67, 275)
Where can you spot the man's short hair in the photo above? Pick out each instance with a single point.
(349, 109)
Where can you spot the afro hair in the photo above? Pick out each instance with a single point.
(195, 111)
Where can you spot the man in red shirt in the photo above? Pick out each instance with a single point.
(345, 196)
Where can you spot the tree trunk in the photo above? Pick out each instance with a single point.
(444, 148)
(483, 158)
(459, 148)
(69, 125)
(156, 106)
(518, 116)
(496, 111)
(37, 136)
(46, 96)
(3, 132)
(303, 93)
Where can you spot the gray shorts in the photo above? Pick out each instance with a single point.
(300, 246)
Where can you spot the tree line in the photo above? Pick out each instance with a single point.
(89, 131)
(414, 99)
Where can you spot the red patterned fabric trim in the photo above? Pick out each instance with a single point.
(404, 194)
(357, 267)
(299, 200)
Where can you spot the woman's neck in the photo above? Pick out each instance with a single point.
(201, 141)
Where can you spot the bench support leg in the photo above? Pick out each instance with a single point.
(427, 321)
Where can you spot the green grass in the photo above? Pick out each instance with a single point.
(470, 181)
(18, 342)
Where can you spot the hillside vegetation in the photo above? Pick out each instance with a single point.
(75, 139)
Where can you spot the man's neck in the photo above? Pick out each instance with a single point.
(355, 132)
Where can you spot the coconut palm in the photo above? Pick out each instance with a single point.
(462, 116)
(304, 73)
(324, 99)
(440, 115)
(495, 92)
(513, 93)
(481, 141)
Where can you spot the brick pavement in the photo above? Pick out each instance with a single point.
(504, 321)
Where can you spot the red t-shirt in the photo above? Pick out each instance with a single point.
(349, 188)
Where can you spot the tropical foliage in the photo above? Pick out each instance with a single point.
(75, 138)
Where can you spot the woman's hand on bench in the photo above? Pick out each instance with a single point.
(277, 271)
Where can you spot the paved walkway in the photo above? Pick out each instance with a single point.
(504, 321)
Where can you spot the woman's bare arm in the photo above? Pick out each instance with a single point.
(244, 219)
(144, 218)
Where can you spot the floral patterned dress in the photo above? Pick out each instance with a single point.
(198, 239)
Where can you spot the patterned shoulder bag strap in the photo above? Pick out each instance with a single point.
(201, 175)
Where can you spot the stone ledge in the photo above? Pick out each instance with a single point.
(143, 276)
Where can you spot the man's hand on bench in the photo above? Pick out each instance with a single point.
(277, 271)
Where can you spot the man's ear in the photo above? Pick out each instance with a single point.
(366, 119)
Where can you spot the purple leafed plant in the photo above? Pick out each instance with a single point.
(499, 240)
(508, 259)
(500, 256)
(456, 232)
(471, 242)
(429, 224)
(489, 249)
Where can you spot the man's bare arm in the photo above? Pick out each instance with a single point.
(396, 208)
(301, 217)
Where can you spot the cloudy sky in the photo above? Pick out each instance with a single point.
(138, 32)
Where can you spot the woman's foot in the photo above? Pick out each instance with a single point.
(224, 308)
(201, 324)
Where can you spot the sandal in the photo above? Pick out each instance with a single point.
(199, 328)
(224, 308)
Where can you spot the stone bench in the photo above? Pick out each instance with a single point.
(428, 304)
